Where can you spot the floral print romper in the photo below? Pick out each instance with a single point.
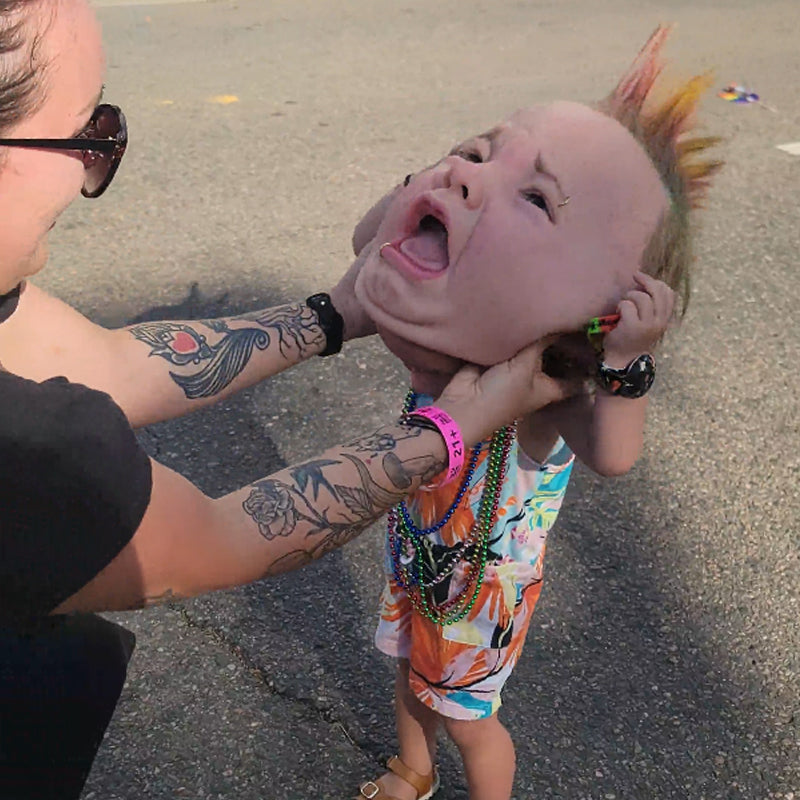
(459, 670)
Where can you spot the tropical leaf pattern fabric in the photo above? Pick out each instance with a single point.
(460, 669)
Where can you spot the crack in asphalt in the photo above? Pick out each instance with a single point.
(323, 713)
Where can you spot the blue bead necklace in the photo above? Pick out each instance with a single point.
(407, 546)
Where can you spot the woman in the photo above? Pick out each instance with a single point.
(87, 521)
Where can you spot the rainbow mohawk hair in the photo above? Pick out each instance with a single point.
(662, 125)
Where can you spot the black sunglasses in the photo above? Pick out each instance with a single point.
(102, 144)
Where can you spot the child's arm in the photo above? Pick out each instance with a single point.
(606, 431)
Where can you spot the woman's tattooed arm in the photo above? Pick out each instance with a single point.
(331, 511)
(207, 356)
(167, 369)
(188, 543)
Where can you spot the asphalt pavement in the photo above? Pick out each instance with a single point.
(664, 658)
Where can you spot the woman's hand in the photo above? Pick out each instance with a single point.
(645, 314)
(343, 296)
(356, 321)
(482, 402)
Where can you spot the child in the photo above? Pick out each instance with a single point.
(558, 214)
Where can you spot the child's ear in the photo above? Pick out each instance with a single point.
(571, 357)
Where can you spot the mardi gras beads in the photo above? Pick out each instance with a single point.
(406, 539)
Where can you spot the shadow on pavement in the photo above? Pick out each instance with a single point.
(616, 696)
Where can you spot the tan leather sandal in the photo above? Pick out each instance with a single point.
(426, 785)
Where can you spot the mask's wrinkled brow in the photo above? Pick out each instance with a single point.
(540, 167)
(491, 137)
(494, 134)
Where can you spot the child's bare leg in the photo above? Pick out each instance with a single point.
(488, 755)
(417, 726)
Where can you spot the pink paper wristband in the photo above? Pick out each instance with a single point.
(451, 434)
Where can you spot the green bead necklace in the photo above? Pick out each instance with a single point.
(403, 539)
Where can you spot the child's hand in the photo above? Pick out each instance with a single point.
(645, 314)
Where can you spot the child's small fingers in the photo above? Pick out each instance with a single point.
(663, 296)
(628, 312)
(628, 318)
(643, 303)
(661, 305)
(647, 282)
(664, 302)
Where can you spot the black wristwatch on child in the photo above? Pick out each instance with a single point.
(631, 382)
(330, 320)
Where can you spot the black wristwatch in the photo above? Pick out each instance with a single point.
(633, 381)
(330, 320)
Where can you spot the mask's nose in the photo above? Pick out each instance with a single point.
(466, 178)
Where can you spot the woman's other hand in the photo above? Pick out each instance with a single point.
(356, 321)
(483, 401)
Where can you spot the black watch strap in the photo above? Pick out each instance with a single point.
(633, 381)
(330, 320)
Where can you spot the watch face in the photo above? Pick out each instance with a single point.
(633, 381)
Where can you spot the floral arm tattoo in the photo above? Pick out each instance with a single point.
(210, 366)
(277, 506)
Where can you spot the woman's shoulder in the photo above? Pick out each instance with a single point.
(74, 487)
(70, 448)
(56, 404)
(67, 426)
